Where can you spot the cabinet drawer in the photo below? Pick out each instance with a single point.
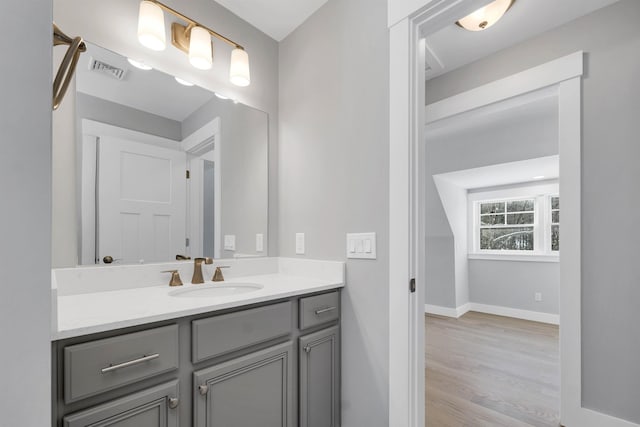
(101, 365)
(218, 335)
(319, 309)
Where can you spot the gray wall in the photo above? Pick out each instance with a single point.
(513, 284)
(526, 137)
(244, 174)
(96, 21)
(101, 110)
(334, 177)
(610, 153)
(25, 217)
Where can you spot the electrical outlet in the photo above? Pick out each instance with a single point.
(259, 242)
(538, 296)
(300, 243)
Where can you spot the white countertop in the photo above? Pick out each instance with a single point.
(87, 313)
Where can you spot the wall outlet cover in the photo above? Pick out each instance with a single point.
(300, 244)
(259, 242)
(229, 242)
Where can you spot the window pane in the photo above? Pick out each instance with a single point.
(555, 203)
(555, 217)
(520, 205)
(489, 208)
(555, 237)
(516, 239)
(491, 219)
(522, 218)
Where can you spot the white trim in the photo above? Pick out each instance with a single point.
(535, 316)
(446, 311)
(514, 257)
(542, 76)
(516, 313)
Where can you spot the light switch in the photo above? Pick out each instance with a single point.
(300, 243)
(361, 245)
(259, 242)
(229, 242)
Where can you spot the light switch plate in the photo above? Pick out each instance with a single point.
(229, 242)
(361, 245)
(259, 242)
(300, 243)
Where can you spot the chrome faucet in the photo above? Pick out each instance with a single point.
(197, 269)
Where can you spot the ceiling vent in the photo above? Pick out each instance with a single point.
(104, 68)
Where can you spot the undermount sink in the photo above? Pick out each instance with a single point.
(215, 290)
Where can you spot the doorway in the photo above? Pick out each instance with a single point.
(491, 264)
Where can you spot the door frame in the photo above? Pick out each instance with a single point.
(406, 309)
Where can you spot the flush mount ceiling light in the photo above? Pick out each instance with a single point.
(193, 38)
(183, 82)
(486, 16)
(139, 64)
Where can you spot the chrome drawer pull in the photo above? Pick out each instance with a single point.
(324, 310)
(112, 368)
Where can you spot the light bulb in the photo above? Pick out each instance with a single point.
(200, 51)
(485, 17)
(239, 70)
(151, 26)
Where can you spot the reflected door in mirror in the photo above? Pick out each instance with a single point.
(141, 201)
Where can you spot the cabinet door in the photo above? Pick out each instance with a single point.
(254, 390)
(320, 379)
(155, 407)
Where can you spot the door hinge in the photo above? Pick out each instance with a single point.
(412, 285)
(188, 174)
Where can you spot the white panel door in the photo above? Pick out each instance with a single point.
(141, 201)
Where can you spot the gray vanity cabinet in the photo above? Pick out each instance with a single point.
(155, 407)
(319, 393)
(253, 390)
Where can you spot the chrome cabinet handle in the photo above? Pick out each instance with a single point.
(173, 402)
(203, 389)
(307, 349)
(143, 359)
(324, 310)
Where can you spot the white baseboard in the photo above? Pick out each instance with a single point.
(536, 316)
(446, 311)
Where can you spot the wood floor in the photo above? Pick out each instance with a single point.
(485, 370)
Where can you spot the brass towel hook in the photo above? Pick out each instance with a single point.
(68, 65)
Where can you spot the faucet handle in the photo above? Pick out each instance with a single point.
(217, 276)
(175, 277)
(206, 260)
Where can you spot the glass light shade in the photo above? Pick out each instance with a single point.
(239, 70)
(485, 17)
(151, 26)
(200, 50)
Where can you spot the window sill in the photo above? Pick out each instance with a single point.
(515, 257)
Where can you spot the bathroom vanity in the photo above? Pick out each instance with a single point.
(170, 357)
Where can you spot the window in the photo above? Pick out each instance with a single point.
(507, 225)
(514, 223)
(555, 223)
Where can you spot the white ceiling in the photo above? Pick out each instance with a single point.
(453, 47)
(151, 91)
(276, 18)
(505, 173)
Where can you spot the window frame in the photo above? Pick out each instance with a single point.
(541, 194)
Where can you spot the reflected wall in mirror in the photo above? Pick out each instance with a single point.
(165, 169)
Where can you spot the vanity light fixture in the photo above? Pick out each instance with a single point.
(486, 16)
(193, 38)
(183, 82)
(139, 64)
